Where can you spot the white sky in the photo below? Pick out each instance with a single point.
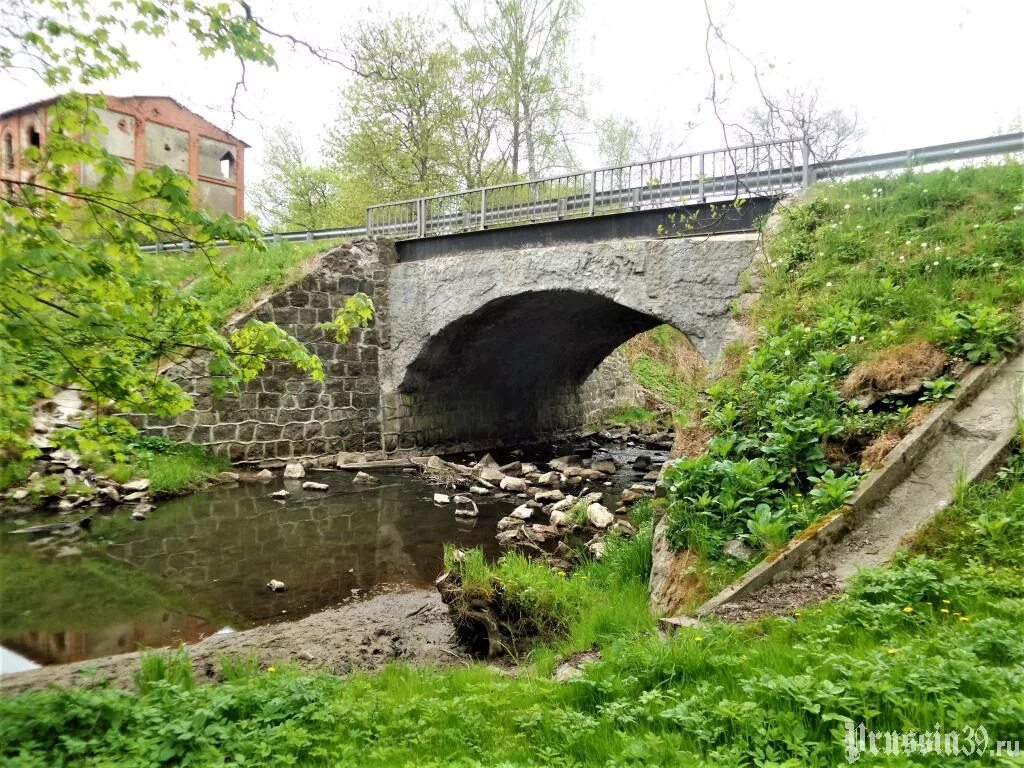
(917, 71)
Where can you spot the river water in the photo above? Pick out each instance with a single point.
(199, 564)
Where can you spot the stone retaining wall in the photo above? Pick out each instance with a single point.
(283, 413)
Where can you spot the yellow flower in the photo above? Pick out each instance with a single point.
(796, 613)
(891, 650)
(271, 669)
(945, 602)
(964, 618)
(908, 609)
(943, 610)
(699, 639)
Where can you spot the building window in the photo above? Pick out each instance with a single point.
(34, 139)
(227, 166)
(8, 151)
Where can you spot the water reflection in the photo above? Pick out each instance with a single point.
(210, 555)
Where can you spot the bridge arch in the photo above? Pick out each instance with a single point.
(493, 348)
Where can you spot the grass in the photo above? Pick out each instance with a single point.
(237, 278)
(934, 639)
(665, 363)
(180, 469)
(867, 284)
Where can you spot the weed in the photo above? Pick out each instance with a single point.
(173, 668)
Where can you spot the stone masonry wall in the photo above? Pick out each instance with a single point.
(283, 413)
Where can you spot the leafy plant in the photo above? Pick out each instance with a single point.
(980, 333)
(942, 388)
(768, 527)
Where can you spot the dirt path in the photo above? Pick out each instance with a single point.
(410, 626)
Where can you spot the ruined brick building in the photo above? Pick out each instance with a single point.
(145, 132)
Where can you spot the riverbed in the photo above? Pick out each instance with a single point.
(199, 565)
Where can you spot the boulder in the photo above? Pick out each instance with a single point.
(294, 471)
(282, 494)
(560, 519)
(591, 474)
(629, 496)
(548, 497)
(462, 499)
(624, 529)
(522, 512)
(309, 485)
(137, 515)
(608, 466)
(365, 478)
(479, 490)
(228, 477)
(642, 488)
(440, 498)
(599, 516)
(526, 469)
(597, 548)
(739, 549)
(508, 523)
(513, 484)
(487, 462)
(347, 457)
(489, 474)
(593, 497)
(275, 586)
(564, 504)
(550, 479)
(136, 485)
(562, 462)
(642, 463)
(509, 537)
(264, 475)
(513, 468)
(467, 511)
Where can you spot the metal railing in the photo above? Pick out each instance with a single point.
(722, 174)
(714, 175)
(307, 236)
(750, 170)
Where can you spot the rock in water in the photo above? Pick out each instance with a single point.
(309, 485)
(365, 478)
(137, 485)
(440, 498)
(608, 466)
(294, 471)
(282, 494)
(467, 512)
(546, 497)
(479, 490)
(275, 586)
(264, 475)
(599, 516)
(522, 512)
(513, 484)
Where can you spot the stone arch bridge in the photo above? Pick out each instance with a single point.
(475, 349)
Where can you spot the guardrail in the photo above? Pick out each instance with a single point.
(308, 236)
(714, 175)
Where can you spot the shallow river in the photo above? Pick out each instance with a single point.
(199, 564)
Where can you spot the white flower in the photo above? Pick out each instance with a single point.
(924, 245)
(977, 226)
(938, 247)
(859, 226)
(1018, 208)
(887, 231)
(853, 339)
(909, 242)
(935, 263)
(995, 265)
(903, 258)
(862, 338)
(786, 353)
(846, 207)
(828, 284)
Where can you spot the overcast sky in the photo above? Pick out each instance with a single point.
(917, 72)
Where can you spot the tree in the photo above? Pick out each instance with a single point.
(538, 96)
(76, 306)
(400, 112)
(828, 132)
(294, 195)
(622, 140)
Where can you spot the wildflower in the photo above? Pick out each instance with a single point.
(977, 226)
(908, 609)
(796, 506)
(699, 639)
(938, 248)
(1018, 208)
(797, 614)
(853, 339)
(945, 602)
(887, 232)
(786, 353)
(943, 610)
(935, 263)
(891, 650)
(908, 243)
(271, 669)
(995, 265)
(828, 284)
(862, 338)
(903, 258)
(846, 207)
(859, 226)
(924, 245)
(964, 618)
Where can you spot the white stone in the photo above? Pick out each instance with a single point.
(309, 485)
(564, 504)
(365, 478)
(560, 519)
(599, 516)
(264, 475)
(522, 512)
(549, 478)
(547, 497)
(513, 484)
(440, 498)
(607, 466)
(137, 485)
(467, 512)
(479, 490)
(282, 494)
(275, 586)
(294, 471)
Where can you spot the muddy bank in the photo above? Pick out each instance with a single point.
(410, 626)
